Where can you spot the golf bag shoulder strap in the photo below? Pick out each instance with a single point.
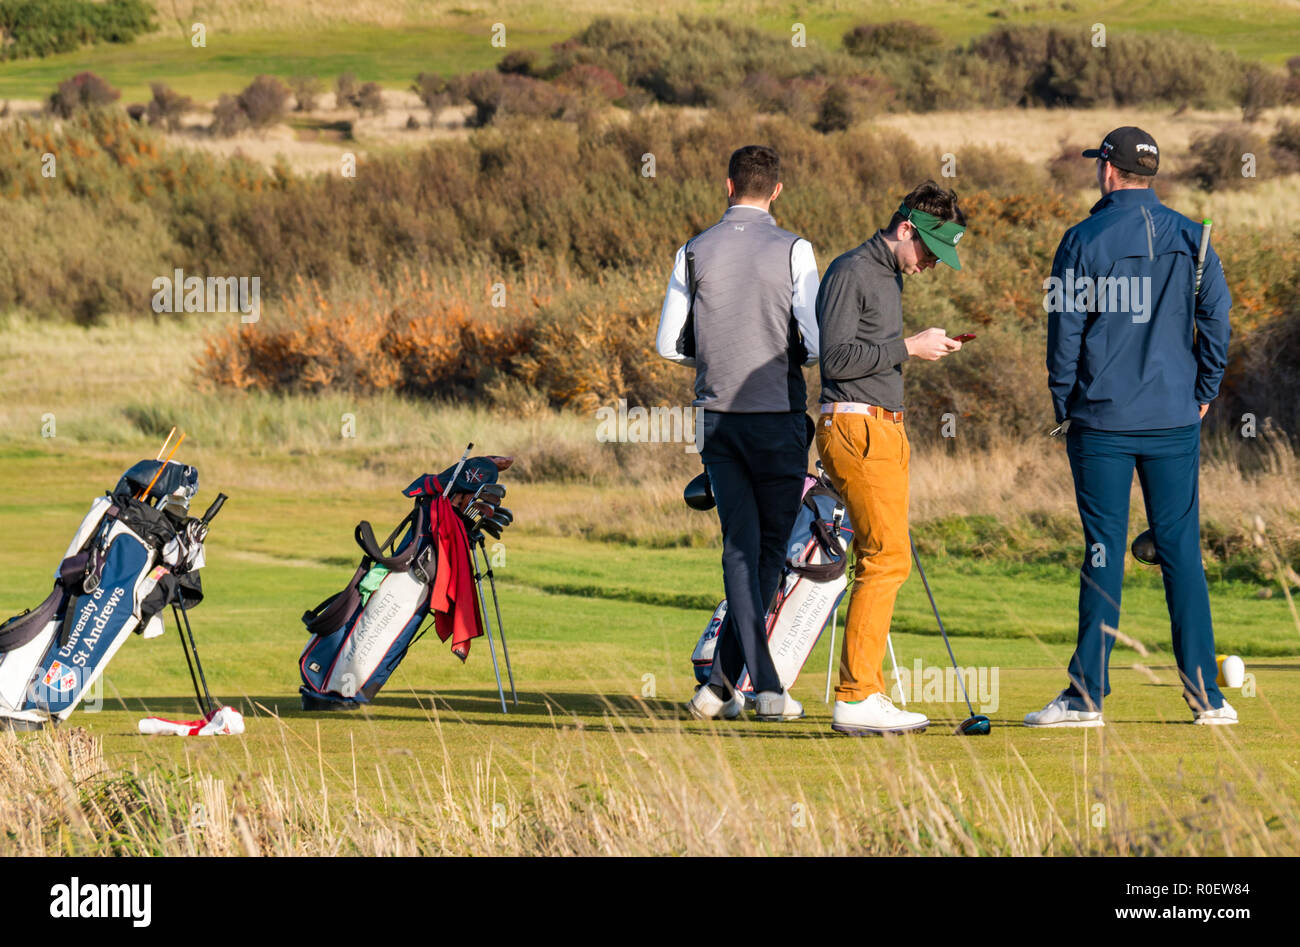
(401, 561)
(21, 629)
(331, 613)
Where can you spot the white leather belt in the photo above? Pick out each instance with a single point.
(857, 407)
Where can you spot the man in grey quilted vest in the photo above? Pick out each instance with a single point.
(741, 309)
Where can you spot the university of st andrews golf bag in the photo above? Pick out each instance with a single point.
(427, 564)
(136, 552)
(812, 584)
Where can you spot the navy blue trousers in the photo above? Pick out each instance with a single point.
(756, 465)
(1168, 464)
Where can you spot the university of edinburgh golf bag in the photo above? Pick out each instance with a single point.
(812, 583)
(136, 552)
(428, 564)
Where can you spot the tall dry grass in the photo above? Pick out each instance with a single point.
(615, 792)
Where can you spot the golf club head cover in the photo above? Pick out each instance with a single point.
(225, 722)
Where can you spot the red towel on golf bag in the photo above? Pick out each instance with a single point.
(453, 596)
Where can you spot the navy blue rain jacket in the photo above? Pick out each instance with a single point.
(1128, 347)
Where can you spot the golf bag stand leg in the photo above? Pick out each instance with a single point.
(830, 658)
(501, 628)
(207, 706)
(487, 626)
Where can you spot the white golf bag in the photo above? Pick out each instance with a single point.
(812, 584)
(128, 561)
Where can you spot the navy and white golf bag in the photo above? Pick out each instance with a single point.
(811, 587)
(129, 560)
(360, 635)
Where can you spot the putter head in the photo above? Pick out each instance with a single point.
(976, 726)
(1144, 549)
(699, 493)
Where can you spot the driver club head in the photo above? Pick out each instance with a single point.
(1144, 549)
(974, 726)
(699, 493)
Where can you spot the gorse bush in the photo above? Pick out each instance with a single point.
(31, 28)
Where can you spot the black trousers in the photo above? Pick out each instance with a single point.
(756, 465)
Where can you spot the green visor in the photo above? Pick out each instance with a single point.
(940, 236)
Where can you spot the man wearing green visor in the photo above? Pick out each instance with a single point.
(861, 438)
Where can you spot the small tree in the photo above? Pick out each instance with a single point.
(1261, 88)
(433, 92)
(370, 98)
(84, 90)
(167, 108)
(264, 101)
(228, 117)
(305, 90)
(835, 114)
(345, 90)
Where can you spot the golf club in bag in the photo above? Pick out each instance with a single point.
(428, 563)
(811, 586)
(136, 553)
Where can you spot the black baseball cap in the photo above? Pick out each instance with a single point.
(1124, 146)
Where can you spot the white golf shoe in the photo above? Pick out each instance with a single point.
(875, 716)
(1221, 717)
(1058, 714)
(706, 705)
(770, 705)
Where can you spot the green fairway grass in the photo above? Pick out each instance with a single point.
(600, 638)
(456, 41)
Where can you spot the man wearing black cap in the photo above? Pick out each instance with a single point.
(1136, 349)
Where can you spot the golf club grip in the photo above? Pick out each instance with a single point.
(1202, 251)
(214, 509)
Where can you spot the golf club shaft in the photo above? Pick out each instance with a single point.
(459, 464)
(487, 626)
(830, 658)
(898, 678)
(165, 443)
(501, 628)
(942, 630)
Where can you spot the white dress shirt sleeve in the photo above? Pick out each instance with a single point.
(677, 303)
(803, 301)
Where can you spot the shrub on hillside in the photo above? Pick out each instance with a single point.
(345, 90)
(1261, 88)
(1285, 147)
(306, 90)
(264, 101)
(1069, 171)
(433, 92)
(44, 27)
(167, 107)
(896, 36)
(520, 62)
(370, 99)
(591, 81)
(1219, 158)
(84, 90)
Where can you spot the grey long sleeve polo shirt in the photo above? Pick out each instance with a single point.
(860, 322)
